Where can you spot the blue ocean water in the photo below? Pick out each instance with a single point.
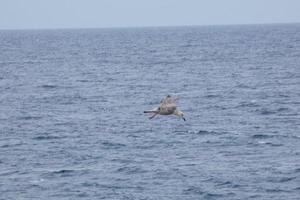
(72, 124)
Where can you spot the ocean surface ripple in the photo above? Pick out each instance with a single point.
(72, 124)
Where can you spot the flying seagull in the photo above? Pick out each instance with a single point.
(167, 107)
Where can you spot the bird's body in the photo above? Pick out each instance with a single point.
(167, 107)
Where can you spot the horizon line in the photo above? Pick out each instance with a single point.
(147, 26)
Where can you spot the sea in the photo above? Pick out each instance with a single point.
(72, 124)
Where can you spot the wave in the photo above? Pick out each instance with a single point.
(131, 170)
(265, 111)
(261, 136)
(29, 118)
(113, 145)
(46, 137)
(247, 104)
(280, 179)
(204, 132)
(198, 191)
(297, 170)
(48, 86)
(65, 172)
(211, 96)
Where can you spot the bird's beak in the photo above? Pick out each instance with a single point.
(183, 118)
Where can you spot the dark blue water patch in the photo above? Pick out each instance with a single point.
(122, 160)
(8, 143)
(210, 195)
(83, 194)
(64, 173)
(29, 117)
(283, 109)
(262, 136)
(90, 184)
(272, 144)
(193, 190)
(8, 173)
(83, 80)
(64, 124)
(212, 96)
(228, 184)
(190, 45)
(112, 145)
(131, 170)
(47, 137)
(47, 86)
(255, 196)
(198, 192)
(280, 179)
(244, 86)
(206, 132)
(114, 186)
(246, 104)
(297, 188)
(265, 111)
(297, 170)
(276, 190)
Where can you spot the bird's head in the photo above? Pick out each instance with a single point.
(179, 114)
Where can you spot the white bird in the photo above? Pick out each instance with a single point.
(167, 107)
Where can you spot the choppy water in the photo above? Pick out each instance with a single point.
(72, 125)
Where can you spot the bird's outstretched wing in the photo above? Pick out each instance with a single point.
(168, 100)
(168, 104)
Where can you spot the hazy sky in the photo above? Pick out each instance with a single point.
(22, 14)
